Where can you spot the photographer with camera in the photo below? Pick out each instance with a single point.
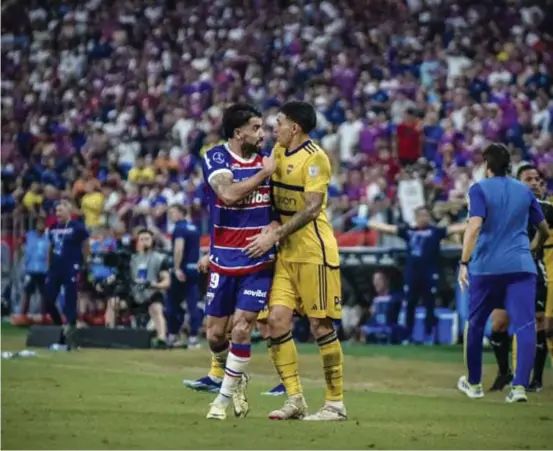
(146, 279)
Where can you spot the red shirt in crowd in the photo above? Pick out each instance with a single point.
(409, 141)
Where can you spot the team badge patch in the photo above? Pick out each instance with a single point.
(313, 171)
(289, 169)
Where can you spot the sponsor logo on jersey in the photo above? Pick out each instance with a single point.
(218, 157)
(255, 197)
(256, 293)
(284, 201)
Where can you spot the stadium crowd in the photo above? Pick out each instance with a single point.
(112, 103)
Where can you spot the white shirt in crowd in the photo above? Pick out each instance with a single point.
(348, 134)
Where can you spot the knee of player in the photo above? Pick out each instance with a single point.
(242, 329)
(500, 321)
(216, 335)
(278, 324)
(320, 326)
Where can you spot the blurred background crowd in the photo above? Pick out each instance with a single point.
(111, 103)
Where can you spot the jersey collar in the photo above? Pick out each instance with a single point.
(238, 158)
(292, 152)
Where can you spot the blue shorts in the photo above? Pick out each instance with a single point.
(515, 292)
(249, 292)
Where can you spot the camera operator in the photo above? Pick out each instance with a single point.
(148, 278)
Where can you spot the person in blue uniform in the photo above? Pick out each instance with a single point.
(498, 269)
(421, 274)
(37, 248)
(68, 251)
(185, 277)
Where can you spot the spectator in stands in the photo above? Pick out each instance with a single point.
(384, 313)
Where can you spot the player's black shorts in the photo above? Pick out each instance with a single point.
(138, 308)
(34, 282)
(541, 288)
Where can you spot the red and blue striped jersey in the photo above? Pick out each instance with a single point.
(232, 225)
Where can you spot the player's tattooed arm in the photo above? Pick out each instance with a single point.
(313, 206)
(230, 191)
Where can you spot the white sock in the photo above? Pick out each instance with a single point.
(234, 369)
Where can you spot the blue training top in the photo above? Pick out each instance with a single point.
(503, 247)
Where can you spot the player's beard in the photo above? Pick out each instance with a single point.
(146, 249)
(249, 149)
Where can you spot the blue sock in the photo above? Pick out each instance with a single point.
(473, 352)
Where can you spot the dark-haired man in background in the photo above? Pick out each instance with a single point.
(497, 252)
(499, 339)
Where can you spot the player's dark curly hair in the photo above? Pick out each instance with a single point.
(302, 113)
(498, 159)
(237, 115)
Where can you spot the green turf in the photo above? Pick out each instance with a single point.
(397, 398)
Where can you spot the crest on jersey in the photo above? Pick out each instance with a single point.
(289, 169)
(218, 158)
(313, 171)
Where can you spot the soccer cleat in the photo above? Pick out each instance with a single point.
(535, 387)
(294, 408)
(240, 398)
(328, 413)
(473, 391)
(217, 411)
(279, 390)
(501, 381)
(203, 384)
(516, 394)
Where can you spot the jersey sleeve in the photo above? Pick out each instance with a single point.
(179, 232)
(403, 231)
(317, 173)
(536, 213)
(215, 162)
(441, 232)
(477, 202)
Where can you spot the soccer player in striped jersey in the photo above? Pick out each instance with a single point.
(239, 197)
(500, 340)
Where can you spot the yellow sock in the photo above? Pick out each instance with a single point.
(333, 365)
(550, 347)
(218, 361)
(285, 358)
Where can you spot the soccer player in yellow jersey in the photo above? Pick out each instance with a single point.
(307, 274)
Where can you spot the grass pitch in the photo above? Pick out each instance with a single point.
(397, 398)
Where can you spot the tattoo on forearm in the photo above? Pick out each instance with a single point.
(313, 203)
(221, 182)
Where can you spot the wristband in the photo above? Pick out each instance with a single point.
(463, 263)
